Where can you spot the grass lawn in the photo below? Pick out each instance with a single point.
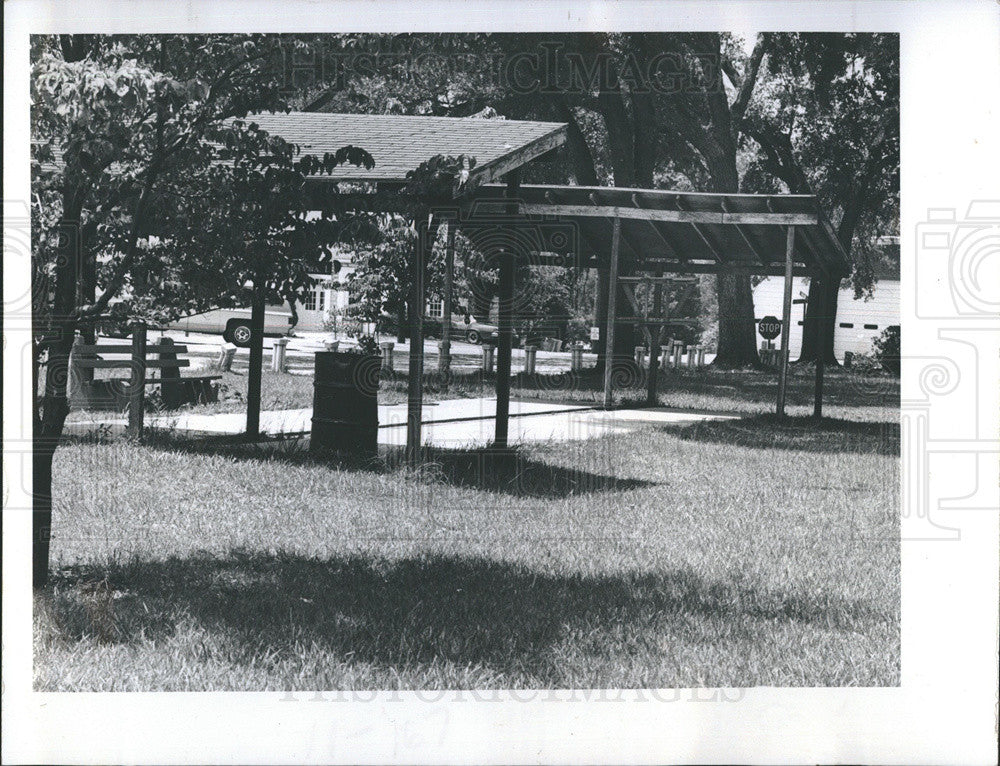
(733, 553)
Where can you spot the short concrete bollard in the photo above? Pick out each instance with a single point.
(692, 358)
(678, 354)
(529, 359)
(576, 358)
(665, 352)
(640, 356)
(386, 349)
(487, 358)
(701, 356)
(767, 353)
(278, 355)
(224, 361)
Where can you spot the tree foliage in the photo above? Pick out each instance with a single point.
(827, 123)
(152, 194)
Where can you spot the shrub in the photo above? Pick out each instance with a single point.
(865, 364)
(368, 344)
(886, 349)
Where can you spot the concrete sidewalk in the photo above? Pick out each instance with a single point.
(449, 423)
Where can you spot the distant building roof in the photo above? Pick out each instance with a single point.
(400, 143)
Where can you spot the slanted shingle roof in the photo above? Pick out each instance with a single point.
(400, 143)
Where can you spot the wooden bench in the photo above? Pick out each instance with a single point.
(118, 393)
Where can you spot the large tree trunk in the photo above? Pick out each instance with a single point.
(582, 170)
(812, 320)
(829, 319)
(811, 323)
(55, 400)
(48, 429)
(47, 426)
(737, 335)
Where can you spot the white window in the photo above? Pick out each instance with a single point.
(435, 308)
(309, 304)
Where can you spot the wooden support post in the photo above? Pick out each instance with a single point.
(654, 345)
(137, 382)
(821, 356)
(444, 359)
(505, 323)
(609, 354)
(415, 383)
(256, 358)
(786, 321)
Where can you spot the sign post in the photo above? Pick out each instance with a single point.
(786, 316)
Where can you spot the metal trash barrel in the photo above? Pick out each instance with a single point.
(345, 403)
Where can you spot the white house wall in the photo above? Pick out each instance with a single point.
(859, 322)
(333, 300)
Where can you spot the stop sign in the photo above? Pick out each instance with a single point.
(769, 327)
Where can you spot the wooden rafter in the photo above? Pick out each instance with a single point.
(671, 250)
(807, 237)
(626, 237)
(742, 232)
(697, 229)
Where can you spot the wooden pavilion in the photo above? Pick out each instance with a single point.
(399, 145)
(639, 235)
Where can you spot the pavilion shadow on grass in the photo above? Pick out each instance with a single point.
(638, 235)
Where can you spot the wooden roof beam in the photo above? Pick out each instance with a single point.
(668, 216)
(515, 159)
(705, 267)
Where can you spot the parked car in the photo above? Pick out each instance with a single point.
(466, 327)
(234, 324)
